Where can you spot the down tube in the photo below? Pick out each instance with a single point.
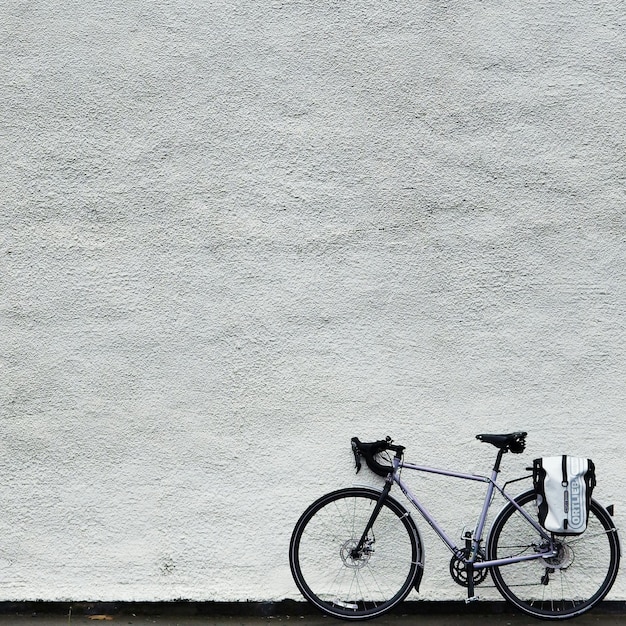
(426, 515)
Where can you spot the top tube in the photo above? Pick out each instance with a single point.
(443, 472)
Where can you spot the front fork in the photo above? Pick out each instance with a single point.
(358, 549)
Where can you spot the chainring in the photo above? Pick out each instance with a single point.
(458, 569)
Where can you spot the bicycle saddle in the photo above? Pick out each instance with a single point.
(515, 442)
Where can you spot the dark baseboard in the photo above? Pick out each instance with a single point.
(286, 608)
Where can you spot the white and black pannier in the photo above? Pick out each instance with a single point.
(563, 485)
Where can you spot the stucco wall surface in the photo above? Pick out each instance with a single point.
(235, 234)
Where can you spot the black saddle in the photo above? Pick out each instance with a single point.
(515, 442)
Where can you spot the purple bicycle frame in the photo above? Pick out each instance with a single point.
(480, 525)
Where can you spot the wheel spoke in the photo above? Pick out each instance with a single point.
(338, 580)
(569, 582)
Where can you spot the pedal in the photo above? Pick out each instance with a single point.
(472, 599)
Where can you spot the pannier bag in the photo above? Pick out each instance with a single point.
(563, 485)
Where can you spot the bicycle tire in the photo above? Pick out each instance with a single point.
(333, 580)
(562, 587)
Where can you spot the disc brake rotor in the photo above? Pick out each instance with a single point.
(563, 559)
(359, 560)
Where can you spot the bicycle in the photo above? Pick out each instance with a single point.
(356, 553)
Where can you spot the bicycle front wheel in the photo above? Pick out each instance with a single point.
(338, 580)
(560, 587)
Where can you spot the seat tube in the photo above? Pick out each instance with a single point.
(476, 539)
(480, 526)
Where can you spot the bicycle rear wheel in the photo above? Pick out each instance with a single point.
(332, 576)
(563, 586)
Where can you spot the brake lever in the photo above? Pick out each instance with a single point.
(357, 457)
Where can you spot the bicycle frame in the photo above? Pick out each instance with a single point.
(480, 525)
(471, 562)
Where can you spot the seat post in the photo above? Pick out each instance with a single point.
(496, 467)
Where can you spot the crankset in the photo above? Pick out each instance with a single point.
(458, 569)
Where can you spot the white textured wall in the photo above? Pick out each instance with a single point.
(235, 234)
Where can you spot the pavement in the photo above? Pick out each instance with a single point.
(454, 618)
(427, 620)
